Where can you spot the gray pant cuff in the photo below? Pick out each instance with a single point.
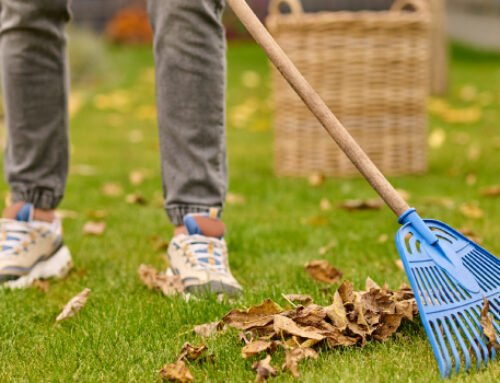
(41, 198)
(176, 213)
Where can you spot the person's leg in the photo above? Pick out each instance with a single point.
(189, 46)
(34, 82)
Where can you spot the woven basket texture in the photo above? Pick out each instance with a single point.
(372, 69)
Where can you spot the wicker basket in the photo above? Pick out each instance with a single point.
(372, 70)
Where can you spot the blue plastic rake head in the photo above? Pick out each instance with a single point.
(450, 274)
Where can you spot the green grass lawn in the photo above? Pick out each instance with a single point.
(127, 332)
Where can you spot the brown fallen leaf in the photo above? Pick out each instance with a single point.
(316, 179)
(67, 214)
(288, 326)
(177, 372)
(256, 316)
(471, 234)
(74, 305)
(323, 250)
(321, 270)
(235, 199)
(136, 198)
(112, 189)
(346, 292)
(352, 205)
(337, 312)
(258, 346)
(399, 264)
(94, 227)
(390, 323)
(404, 194)
(264, 369)
(207, 329)
(440, 201)
(159, 244)
(491, 191)
(137, 177)
(382, 238)
(294, 356)
(97, 214)
(471, 210)
(168, 284)
(41, 284)
(487, 325)
(299, 298)
(190, 352)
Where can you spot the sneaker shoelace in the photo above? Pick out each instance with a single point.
(205, 253)
(12, 233)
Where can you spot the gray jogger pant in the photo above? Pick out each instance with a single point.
(189, 49)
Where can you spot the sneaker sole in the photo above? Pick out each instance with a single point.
(57, 266)
(214, 287)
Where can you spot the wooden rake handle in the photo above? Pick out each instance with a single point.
(318, 107)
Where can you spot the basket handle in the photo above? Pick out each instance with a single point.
(419, 6)
(295, 7)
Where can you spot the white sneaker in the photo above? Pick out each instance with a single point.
(31, 250)
(200, 258)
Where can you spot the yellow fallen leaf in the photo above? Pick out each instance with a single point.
(468, 93)
(316, 179)
(135, 136)
(437, 138)
(474, 152)
(82, 170)
(250, 79)
(76, 100)
(470, 179)
(325, 204)
(74, 305)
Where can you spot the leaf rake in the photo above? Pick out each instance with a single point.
(448, 273)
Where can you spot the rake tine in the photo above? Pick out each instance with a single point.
(469, 337)
(465, 351)
(484, 283)
(439, 350)
(477, 336)
(453, 347)
(475, 265)
(495, 312)
(428, 290)
(477, 311)
(444, 350)
(435, 278)
(453, 293)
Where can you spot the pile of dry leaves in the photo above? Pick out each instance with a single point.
(352, 318)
